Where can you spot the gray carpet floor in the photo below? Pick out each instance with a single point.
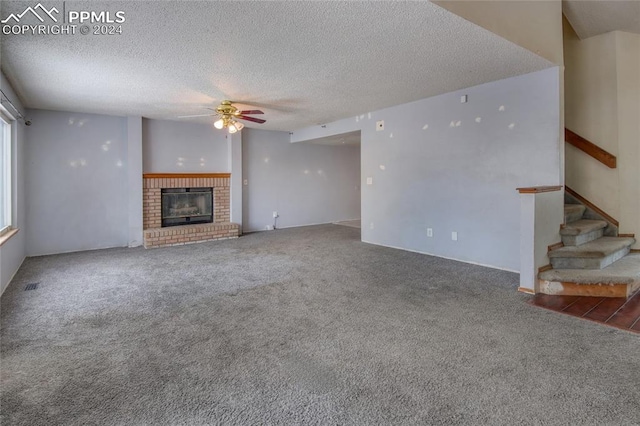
(299, 326)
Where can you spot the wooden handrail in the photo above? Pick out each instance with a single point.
(539, 189)
(590, 148)
(592, 206)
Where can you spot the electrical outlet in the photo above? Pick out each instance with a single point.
(369, 181)
(380, 125)
(275, 214)
(454, 236)
(245, 182)
(268, 228)
(429, 232)
(463, 99)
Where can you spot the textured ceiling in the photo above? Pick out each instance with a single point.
(591, 18)
(303, 63)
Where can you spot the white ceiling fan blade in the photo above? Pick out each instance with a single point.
(199, 115)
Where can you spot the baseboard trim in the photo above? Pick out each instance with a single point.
(13, 276)
(555, 246)
(545, 268)
(251, 231)
(78, 251)
(443, 257)
(526, 290)
(627, 235)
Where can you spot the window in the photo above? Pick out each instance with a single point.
(5, 173)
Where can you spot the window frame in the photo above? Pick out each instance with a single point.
(6, 180)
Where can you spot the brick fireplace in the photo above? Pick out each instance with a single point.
(155, 235)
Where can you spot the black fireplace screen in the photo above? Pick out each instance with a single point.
(183, 206)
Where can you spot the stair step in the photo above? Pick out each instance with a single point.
(582, 231)
(573, 212)
(592, 255)
(621, 279)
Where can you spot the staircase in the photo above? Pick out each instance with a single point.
(590, 262)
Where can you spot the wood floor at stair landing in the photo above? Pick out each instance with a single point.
(616, 312)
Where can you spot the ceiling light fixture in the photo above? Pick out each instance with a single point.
(227, 122)
(228, 115)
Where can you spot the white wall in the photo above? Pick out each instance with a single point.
(305, 183)
(77, 182)
(591, 110)
(461, 178)
(532, 24)
(428, 171)
(187, 147)
(235, 167)
(85, 171)
(183, 147)
(12, 253)
(603, 106)
(628, 82)
(134, 174)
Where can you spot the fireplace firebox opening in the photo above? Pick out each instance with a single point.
(186, 206)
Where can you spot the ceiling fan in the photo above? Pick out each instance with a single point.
(228, 115)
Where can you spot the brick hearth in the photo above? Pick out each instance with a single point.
(157, 236)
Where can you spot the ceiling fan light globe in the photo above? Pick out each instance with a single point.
(219, 124)
(232, 129)
(239, 125)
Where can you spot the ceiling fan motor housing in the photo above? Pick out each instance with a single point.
(226, 109)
